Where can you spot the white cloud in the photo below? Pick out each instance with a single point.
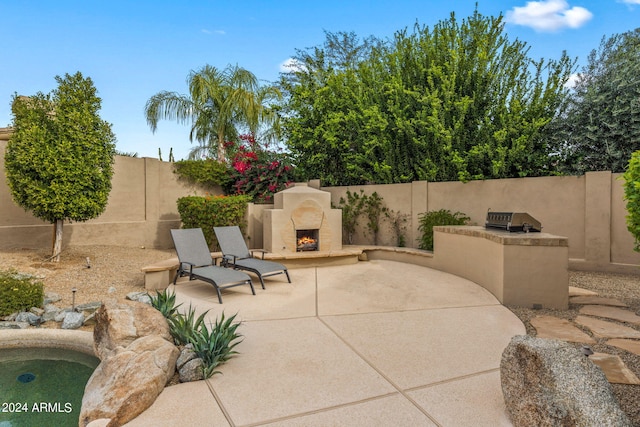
(549, 15)
(290, 65)
(572, 80)
(630, 1)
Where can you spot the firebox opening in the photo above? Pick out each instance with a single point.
(307, 240)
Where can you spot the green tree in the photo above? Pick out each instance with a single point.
(329, 119)
(219, 103)
(59, 160)
(600, 125)
(632, 196)
(458, 101)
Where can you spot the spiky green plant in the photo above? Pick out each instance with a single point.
(165, 302)
(216, 346)
(185, 326)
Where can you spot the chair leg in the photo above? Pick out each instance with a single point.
(261, 281)
(253, 291)
(219, 295)
(287, 273)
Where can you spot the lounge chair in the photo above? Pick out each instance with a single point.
(236, 254)
(195, 261)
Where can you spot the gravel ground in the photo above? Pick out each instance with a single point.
(115, 271)
(625, 288)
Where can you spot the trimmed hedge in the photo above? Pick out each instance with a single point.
(213, 211)
(19, 292)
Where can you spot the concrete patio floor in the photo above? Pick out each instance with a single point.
(377, 343)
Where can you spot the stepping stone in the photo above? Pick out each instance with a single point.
(595, 300)
(631, 346)
(614, 369)
(562, 329)
(580, 292)
(611, 313)
(604, 329)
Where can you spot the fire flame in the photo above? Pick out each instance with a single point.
(306, 240)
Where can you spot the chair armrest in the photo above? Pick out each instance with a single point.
(186, 264)
(262, 251)
(229, 258)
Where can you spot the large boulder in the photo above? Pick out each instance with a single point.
(118, 324)
(138, 358)
(551, 383)
(128, 380)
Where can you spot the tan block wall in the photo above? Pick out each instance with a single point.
(140, 212)
(589, 210)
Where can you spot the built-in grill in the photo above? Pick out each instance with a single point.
(512, 221)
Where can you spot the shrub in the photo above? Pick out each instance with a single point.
(632, 196)
(374, 210)
(19, 292)
(257, 171)
(428, 220)
(212, 211)
(208, 172)
(357, 204)
(352, 208)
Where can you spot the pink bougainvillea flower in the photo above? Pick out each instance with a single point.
(241, 166)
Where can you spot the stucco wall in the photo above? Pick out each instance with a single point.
(587, 209)
(140, 211)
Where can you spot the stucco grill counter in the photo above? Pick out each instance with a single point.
(520, 269)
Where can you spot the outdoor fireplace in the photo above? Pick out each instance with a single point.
(302, 220)
(307, 240)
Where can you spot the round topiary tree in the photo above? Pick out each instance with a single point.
(632, 196)
(59, 159)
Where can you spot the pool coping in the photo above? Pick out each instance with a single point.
(80, 341)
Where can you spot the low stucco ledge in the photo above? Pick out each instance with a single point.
(80, 341)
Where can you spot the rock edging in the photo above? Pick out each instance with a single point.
(138, 358)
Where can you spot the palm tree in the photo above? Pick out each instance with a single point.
(219, 102)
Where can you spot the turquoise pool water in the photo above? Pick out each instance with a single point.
(42, 386)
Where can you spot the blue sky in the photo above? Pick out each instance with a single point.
(134, 49)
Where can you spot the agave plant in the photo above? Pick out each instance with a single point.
(185, 327)
(165, 303)
(216, 346)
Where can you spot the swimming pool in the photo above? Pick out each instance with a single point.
(42, 386)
